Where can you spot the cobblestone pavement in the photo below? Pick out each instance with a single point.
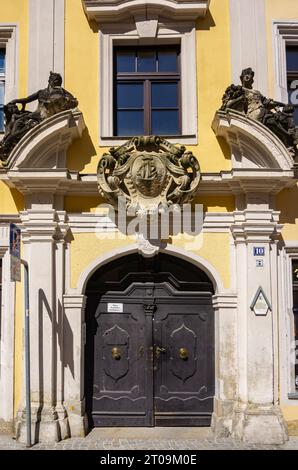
(104, 440)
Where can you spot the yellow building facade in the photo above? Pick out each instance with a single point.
(95, 288)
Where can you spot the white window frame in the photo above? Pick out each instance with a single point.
(112, 35)
(285, 33)
(286, 324)
(9, 40)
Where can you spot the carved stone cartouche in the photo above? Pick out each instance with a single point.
(278, 117)
(149, 173)
(51, 100)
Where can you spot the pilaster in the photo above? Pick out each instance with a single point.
(42, 232)
(74, 338)
(256, 416)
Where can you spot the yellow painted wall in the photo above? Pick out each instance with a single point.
(82, 79)
(213, 247)
(16, 12)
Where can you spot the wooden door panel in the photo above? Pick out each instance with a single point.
(184, 372)
(121, 368)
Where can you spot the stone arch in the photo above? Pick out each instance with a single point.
(192, 258)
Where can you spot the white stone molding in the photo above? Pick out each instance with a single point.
(253, 145)
(73, 350)
(226, 366)
(248, 41)
(119, 10)
(7, 319)
(284, 33)
(9, 39)
(288, 253)
(43, 234)
(182, 33)
(87, 222)
(45, 146)
(257, 417)
(46, 33)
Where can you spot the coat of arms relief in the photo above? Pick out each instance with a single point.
(149, 173)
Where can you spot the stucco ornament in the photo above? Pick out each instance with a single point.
(278, 117)
(149, 173)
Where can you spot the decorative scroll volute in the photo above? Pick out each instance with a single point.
(149, 173)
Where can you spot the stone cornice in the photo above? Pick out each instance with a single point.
(119, 10)
(65, 182)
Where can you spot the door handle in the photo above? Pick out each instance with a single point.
(158, 351)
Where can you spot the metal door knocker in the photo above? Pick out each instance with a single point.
(116, 354)
(183, 353)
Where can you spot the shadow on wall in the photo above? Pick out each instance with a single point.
(205, 24)
(285, 204)
(61, 335)
(80, 152)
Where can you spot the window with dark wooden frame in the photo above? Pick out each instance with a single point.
(292, 77)
(147, 91)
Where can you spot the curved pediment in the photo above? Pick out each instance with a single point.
(117, 10)
(253, 146)
(45, 146)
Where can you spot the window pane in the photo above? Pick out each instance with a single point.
(164, 95)
(292, 58)
(130, 95)
(130, 123)
(167, 61)
(165, 122)
(2, 60)
(125, 61)
(146, 61)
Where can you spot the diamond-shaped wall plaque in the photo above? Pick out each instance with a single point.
(260, 304)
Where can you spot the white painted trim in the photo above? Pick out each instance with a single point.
(46, 42)
(117, 10)
(253, 145)
(248, 40)
(9, 38)
(283, 33)
(168, 33)
(286, 323)
(7, 319)
(86, 222)
(191, 257)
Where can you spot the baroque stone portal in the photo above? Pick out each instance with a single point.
(278, 117)
(149, 173)
(51, 100)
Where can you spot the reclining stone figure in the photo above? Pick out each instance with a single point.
(278, 117)
(51, 100)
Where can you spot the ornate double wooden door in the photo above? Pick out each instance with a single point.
(153, 357)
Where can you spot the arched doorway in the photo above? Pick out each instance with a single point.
(149, 358)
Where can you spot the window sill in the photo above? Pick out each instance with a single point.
(173, 139)
(293, 396)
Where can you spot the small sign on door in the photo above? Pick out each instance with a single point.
(115, 308)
